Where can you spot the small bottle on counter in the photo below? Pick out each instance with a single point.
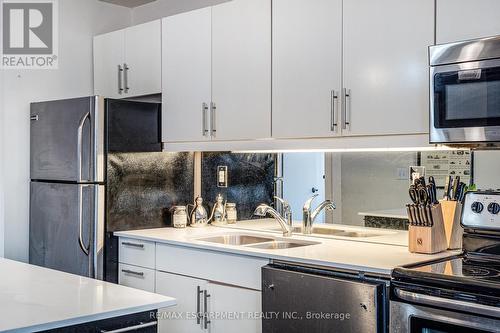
(179, 217)
(231, 213)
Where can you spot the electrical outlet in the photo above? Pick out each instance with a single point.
(222, 176)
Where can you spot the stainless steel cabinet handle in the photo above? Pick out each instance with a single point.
(128, 271)
(132, 328)
(133, 244)
(125, 77)
(204, 110)
(85, 249)
(213, 120)
(206, 322)
(346, 122)
(120, 81)
(198, 305)
(334, 113)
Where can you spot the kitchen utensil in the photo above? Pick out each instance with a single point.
(454, 187)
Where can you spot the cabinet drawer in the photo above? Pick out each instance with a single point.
(137, 252)
(136, 277)
(213, 266)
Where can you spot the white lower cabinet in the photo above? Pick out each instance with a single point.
(136, 277)
(204, 306)
(234, 309)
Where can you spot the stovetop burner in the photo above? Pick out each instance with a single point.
(475, 271)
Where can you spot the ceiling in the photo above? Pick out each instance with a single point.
(129, 3)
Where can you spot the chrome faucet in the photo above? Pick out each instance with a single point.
(310, 216)
(263, 209)
(287, 210)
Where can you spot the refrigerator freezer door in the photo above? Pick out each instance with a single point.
(66, 226)
(67, 140)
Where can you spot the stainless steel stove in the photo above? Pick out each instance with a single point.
(459, 294)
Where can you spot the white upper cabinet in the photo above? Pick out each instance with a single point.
(108, 64)
(466, 19)
(127, 62)
(386, 66)
(143, 58)
(307, 67)
(241, 69)
(187, 77)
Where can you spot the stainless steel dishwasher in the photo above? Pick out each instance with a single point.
(303, 299)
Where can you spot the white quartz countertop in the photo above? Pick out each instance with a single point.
(33, 298)
(346, 254)
(390, 213)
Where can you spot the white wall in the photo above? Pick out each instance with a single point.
(79, 20)
(487, 169)
(162, 8)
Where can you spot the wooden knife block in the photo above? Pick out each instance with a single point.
(429, 240)
(452, 212)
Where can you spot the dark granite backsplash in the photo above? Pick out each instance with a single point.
(250, 180)
(143, 186)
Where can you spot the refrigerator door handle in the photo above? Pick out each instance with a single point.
(85, 249)
(79, 150)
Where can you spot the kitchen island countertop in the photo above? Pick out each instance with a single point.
(34, 298)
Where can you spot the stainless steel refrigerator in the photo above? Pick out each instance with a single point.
(70, 143)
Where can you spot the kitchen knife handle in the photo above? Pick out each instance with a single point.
(334, 113)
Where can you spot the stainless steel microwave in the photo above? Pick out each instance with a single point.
(465, 92)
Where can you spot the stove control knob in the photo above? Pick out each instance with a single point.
(477, 207)
(494, 208)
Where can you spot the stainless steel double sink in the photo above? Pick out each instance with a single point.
(256, 241)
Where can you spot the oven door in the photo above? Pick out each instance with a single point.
(426, 318)
(465, 103)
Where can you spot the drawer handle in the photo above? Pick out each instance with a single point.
(132, 328)
(141, 246)
(128, 271)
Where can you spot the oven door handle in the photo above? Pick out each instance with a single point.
(447, 303)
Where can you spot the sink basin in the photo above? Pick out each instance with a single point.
(336, 232)
(281, 244)
(236, 239)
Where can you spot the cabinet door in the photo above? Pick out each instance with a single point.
(458, 20)
(183, 315)
(143, 59)
(228, 300)
(108, 55)
(241, 72)
(307, 52)
(187, 77)
(386, 65)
